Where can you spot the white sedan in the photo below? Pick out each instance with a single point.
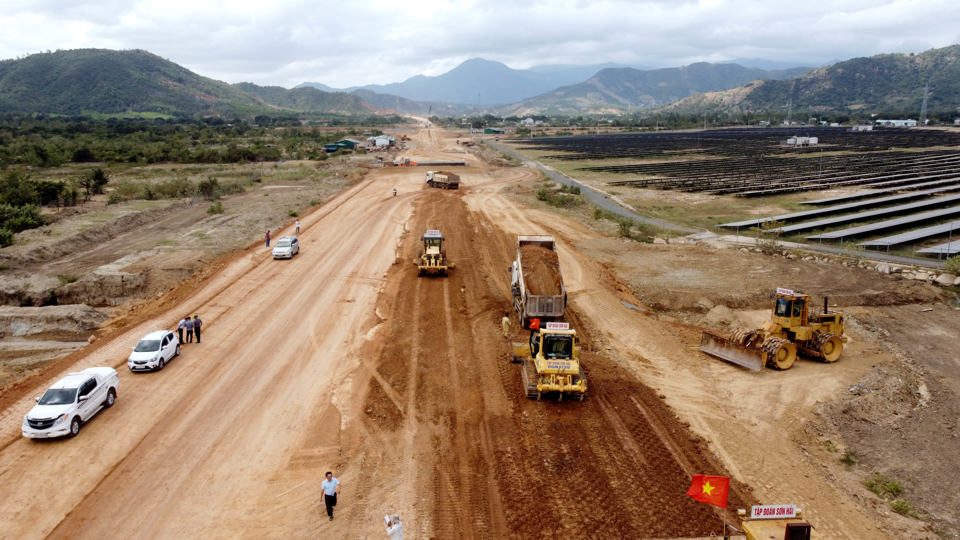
(286, 248)
(70, 402)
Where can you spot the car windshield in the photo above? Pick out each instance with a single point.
(58, 396)
(147, 345)
(284, 243)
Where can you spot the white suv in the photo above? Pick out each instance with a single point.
(70, 402)
(153, 351)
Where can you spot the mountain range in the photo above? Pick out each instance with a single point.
(101, 81)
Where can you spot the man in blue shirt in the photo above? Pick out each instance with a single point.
(331, 488)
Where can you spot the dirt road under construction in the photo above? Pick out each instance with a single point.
(343, 359)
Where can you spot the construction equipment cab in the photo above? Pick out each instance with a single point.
(432, 258)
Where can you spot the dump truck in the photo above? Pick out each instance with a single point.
(781, 522)
(432, 258)
(792, 327)
(536, 282)
(550, 362)
(443, 179)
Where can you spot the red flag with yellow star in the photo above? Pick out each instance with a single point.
(710, 489)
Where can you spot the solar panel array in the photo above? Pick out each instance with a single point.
(913, 236)
(751, 162)
(893, 184)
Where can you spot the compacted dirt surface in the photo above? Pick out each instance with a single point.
(343, 359)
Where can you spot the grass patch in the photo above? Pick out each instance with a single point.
(559, 199)
(903, 508)
(883, 486)
(67, 278)
(215, 208)
(849, 458)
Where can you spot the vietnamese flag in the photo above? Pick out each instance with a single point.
(710, 489)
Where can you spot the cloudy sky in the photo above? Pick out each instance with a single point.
(348, 43)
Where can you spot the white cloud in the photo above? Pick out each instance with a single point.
(287, 42)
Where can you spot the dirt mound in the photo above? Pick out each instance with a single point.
(75, 320)
(541, 270)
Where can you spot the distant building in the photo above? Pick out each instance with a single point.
(494, 131)
(382, 141)
(862, 127)
(349, 144)
(897, 123)
(803, 141)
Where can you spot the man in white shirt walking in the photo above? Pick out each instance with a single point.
(331, 488)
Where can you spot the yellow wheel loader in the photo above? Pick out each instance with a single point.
(551, 363)
(432, 258)
(792, 328)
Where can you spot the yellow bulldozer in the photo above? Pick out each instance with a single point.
(432, 258)
(551, 362)
(792, 327)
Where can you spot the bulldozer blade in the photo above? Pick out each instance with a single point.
(520, 351)
(725, 349)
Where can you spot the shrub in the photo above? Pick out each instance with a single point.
(902, 507)
(215, 208)
(623, 226)
(6, 237)
(769, 240)
(20, 218)
(115, 198)
(292, 213)
(174, 188)
(849, 458)
(67, 278)
(883, 486)
(952, 265)
(209, 188)
(558, 199)
(126, 190)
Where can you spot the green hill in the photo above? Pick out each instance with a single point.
(307, 99)
(620, 89)
(102, 81)
(887, 84)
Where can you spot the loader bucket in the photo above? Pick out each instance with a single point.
(725, 349)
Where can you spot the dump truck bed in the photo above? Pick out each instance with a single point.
(537, 281)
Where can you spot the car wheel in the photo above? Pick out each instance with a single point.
(160, 364)
(111, 398)
(176, 352)
(75, 426)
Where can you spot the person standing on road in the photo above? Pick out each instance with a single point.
(180, 326)
(297, 224)
(189, 329)
(505, 326)
(267, 236)
(331, 488)
(197, 323)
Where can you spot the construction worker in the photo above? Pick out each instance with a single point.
(505, 326)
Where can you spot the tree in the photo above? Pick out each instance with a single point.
(98, 179)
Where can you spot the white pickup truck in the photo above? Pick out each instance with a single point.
(70, 402)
